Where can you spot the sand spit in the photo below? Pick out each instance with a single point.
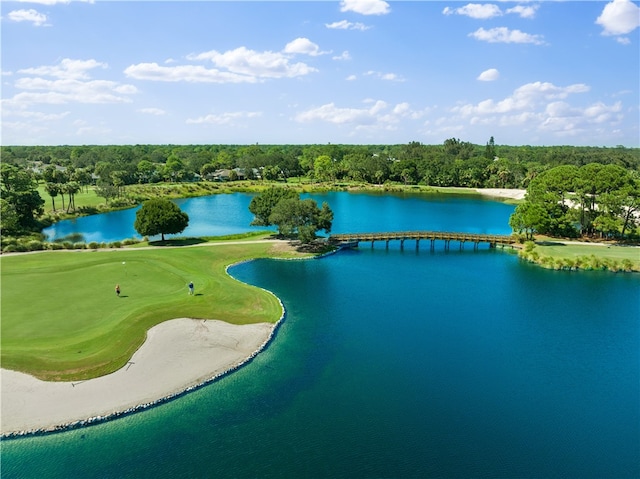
(178, 355)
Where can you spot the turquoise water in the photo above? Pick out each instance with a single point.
(227, 214)
(399, 363)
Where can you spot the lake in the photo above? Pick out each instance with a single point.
(226, 214)
(398, 363)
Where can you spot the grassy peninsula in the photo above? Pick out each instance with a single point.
(61, 318)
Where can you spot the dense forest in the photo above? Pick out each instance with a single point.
(454, 163)
(610, 175)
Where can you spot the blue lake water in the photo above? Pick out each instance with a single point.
(226, 214)
(398, 363)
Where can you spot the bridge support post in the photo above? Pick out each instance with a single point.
(402, 243)
(387, 244)
(417, 244)
(433, 244)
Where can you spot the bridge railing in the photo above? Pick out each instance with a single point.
(419, 235)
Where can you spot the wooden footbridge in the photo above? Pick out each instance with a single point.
(353, 239)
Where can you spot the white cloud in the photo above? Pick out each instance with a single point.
(504, 35)
(343, 56)
(489, 75)
(302, 46)
(184, 73)
(153, 111)
(488, 10)
(528, 11)
(346, 25)
(36, 115)
(67, 68)
(71, 84)
(541, 106)
(526, 97)
(379, 115)
(385, 76)
(229, 118)
(619, 17)
(45, 2)
(365, 7)
(351, 78)
(475, 10)
(266, 64)
(31, 15)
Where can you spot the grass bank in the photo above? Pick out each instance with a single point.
(567, 255)
(61, 318)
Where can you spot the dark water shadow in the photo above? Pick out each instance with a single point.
(177, 242)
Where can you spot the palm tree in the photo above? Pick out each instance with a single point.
(72, 188)
(53, 189)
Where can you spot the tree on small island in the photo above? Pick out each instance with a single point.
(160, 217)
(292, 216)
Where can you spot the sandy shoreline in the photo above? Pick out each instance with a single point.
(513, 194)
(178, 355)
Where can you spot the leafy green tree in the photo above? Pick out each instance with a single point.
(529, 218)
(160, 217)
(8, 218)
(303, 218)
(19, 189)
(262, 205)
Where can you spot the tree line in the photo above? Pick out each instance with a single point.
(591, 200)
(64, 170)
(454, 163)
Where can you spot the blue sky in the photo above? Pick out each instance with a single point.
(297, 72)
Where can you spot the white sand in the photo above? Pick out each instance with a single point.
(177, 355)
(514, 194)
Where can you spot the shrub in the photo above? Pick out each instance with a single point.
(93, 245)
(35, 245)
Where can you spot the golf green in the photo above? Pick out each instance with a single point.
(62, 319)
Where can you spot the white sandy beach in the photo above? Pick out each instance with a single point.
(513, 194)
(177, 354)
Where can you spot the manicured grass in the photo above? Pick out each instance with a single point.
(61, 318)
(585, 256)
(82, 198)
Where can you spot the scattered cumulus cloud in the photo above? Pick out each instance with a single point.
(365, 7)
(541, 107)
(504, 35)
(488, 10)
(228, 119)
(240, 65)
(489, 75)
(374, 116)
(153, 111)
(619, 17)
(184, 73)
(524, 11)
(38, 19)
(475, 10)
(67, 68)
(351, 78)
(384, 76)
(303, 46)
(67, 82)
(345, 55)
(346, 25)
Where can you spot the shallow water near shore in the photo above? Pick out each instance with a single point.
(398, 363)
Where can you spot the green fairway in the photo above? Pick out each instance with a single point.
(61, 318)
